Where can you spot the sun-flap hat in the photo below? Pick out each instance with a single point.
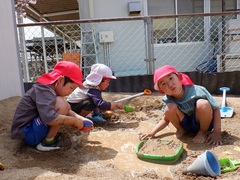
(62, 68)
(164, 71)
(97, 73)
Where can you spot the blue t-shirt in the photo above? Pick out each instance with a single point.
(187, 104)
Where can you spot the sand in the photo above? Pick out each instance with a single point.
(108, 151)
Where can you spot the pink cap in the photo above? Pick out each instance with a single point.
(164, 71)
(62, 68)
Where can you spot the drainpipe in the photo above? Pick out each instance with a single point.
(207, 21)
(56, 45)
(238, 7)
(44, 50)
(223, 36)
(23, 47)
(176, 26)
(150, 47)
(149, 40)
(145, 8)
(91, 9)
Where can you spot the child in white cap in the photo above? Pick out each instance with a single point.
(189, 107)
(89, 99)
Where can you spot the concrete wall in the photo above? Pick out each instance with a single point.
(10, 74)
(90, 9)
(211, 81)
(182, 58)
(127, 52)
(119, 8)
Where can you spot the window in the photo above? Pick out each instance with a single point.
(185, 29)
(172, 30)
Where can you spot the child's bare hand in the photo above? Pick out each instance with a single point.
(84, 124)
(78, 124)
(120, 106)
(117, 105)
(144, 136)
(214, 139)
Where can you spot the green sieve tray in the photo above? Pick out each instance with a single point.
(228, 165)
(163, 159)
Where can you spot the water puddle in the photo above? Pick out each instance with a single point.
(119, 148)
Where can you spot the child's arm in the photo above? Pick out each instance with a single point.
(215, 137)
(87, 124)
(72, 119)
(161, 125)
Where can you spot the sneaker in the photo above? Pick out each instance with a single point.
(97, 112)
(97, 119)
(49, 146)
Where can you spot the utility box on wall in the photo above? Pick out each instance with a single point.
(134, 8)
(106, 37)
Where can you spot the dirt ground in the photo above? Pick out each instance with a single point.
(108, 151)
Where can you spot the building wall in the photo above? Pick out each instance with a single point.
(164, 55)
(123, 32)
(90, 9)
(10, 75)
(124, 60)
(115, 8)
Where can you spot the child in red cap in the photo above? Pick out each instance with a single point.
(43, 109)
(189, 107)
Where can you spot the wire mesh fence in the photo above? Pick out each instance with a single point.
(202, 43)
(207, 43)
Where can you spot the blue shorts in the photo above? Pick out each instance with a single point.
(190, 124)
(35, 132)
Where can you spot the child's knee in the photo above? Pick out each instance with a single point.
(173, 113)
(62, 106)
(203, 105)
(170, 108)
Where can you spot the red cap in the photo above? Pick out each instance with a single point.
(164, 71)
(62, 68)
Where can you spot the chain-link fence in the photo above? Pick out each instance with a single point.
(134, 46)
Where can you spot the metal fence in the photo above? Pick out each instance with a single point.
(134, 46)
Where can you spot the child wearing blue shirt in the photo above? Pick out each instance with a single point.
(189, 107)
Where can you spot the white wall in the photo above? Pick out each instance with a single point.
(10, 74)
(125, 33)
(188, 61)
(90, 9)
(127, 52)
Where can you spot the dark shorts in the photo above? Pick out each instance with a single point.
(190, 124)
(86, 105)
(35, 132)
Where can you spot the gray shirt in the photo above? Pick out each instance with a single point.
(40, 101)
